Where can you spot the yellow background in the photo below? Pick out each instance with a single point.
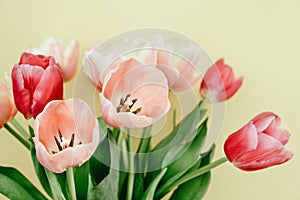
(259, 38)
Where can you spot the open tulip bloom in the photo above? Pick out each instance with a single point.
(80, 155)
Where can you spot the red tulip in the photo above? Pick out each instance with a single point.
(66, 134)
(219, 83)
(36, 80)
(259, 144)
(8, 109)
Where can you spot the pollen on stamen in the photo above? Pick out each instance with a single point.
(126, 105)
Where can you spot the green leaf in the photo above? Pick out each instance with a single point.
(149, 194)
(39, 169)
(55, 185)
(185, 131)
(103, 126)
(99, 161)
(196, 187)
(188, 159)
(138, 186)
(108, 188)
(16, 186)
(82, 181)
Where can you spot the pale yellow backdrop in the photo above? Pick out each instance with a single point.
(259, 38)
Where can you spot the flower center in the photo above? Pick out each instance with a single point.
(63, 143)
(127, 105)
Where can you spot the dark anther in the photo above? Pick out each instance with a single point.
(133, 102)
(137, 110)
(60, 135)
(72, 140)
(58, 144)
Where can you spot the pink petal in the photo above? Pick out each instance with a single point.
(233, 88)
(122, 119)
(241, 141)
(269, 123)
(269, 152)
(118, 79)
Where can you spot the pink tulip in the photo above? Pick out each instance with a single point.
(181, 74)
(219, 83)
(36, 80)
(66, 134)
(66, 55)
(259, 144)
(8, 109)
(96, 65)
(134, 96)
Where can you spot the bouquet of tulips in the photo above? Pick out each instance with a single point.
(155, 133)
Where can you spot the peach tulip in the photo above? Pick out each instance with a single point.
(259, 144)
(66, 55)
(66, 134)
(134, 96)
(219, 83)
(8, 109)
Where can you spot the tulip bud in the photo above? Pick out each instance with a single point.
(36, 80)
(219, 83)
(259, 144)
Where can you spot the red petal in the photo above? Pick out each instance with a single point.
(35, 60)
(241, 141)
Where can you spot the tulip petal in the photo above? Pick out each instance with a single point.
(269, 123)
(241, 141)
(233, 88)
(269, 152)
(25, 78)
(47, 89)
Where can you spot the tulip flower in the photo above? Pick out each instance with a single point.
(219, 83)
(36, 80)
(259, 144)
(181, 74)
(66, 134)
(8, 109)
(134, 96)
(96, 65)
(66, 55)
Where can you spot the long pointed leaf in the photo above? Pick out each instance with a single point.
(16, 186)
(149, 194)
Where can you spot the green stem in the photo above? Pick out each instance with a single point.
(131, 168)
(166, 188)
(71, 183)
(25, 142)
(18, 126)
(144, 143)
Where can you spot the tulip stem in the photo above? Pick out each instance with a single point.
(131, 167)
(164, 189)
(71, 183)
(25, 142)
(17, 125)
